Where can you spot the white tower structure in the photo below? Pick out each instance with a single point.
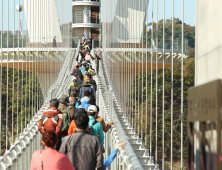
(85, 18)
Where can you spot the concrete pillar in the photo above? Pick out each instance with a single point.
(86, 32)
(86, 19)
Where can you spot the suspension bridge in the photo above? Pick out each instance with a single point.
(142, 85)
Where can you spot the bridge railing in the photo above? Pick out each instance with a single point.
(106, 99)
(20, 153)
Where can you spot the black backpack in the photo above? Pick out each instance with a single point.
(90, 128)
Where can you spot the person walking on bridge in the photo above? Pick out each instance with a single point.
(84, 150)
(64, 107)
(88, 57)
(52, 120)
(85, 86)
(54, 42)
(49, 158)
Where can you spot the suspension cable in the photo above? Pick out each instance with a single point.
(163, 139)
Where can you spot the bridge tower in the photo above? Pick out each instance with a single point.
(85, 19)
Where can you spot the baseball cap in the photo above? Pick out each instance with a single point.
(92, 108)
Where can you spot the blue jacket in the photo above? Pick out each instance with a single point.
(109, 160)
(97, 129)
(83, 70)
(77, 105)
(85, 105)
(83, 89)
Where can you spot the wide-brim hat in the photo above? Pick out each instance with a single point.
(86, 83)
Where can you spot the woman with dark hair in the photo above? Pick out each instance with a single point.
(50, 158)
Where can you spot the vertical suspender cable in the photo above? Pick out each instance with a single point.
(18, 80)
(142, 74)
(138, 26)
(13, 80)
(146, 75)
(135, 75)
(6, 127)
(156, 77)
(151, 87)
(171, 141)
(29, 9)
(26, 64)
(1, 80)
(182, 85)
(131, 65)
(29, 109)
(21, 25)
(33, 9)
(163, 83)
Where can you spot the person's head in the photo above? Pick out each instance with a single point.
(54, 36)
(81, 76)
(92, 101)
(81, 119)
(87, 93)
(84, 65)
(74, 79)
(92, 110)
(43, 38)
(64, 100)
(87, 49)
(97, 110)
(76, 74)
(54, 103)
(80, 53)
(87, 68)
(77, 67)
(88, 75)
(49, 139)
(88, 53)
(73, 94)
(72, 102)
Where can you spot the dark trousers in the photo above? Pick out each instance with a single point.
(59, 142)
(97, 68)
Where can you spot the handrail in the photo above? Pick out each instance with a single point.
(32, 128)
(109, 114)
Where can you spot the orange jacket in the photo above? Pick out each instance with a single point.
(51, 120)
(72, 128)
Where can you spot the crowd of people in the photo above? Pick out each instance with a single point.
(72, 130)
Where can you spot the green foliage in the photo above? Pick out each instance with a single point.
(189, 31)
(13, 39)
(22, 102)
(166, 87)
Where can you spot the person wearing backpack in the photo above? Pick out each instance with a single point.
(95, 128)
(52, 120)
(72, 111)
(73, 87)
(64, 101)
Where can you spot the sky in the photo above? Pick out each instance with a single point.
(189, 12)
(9, 4)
